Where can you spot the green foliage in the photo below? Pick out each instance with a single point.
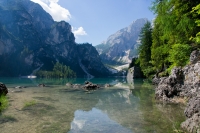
(173, 27)
(145, 49)
(179, 54)
(134, 62)
(59, 71)
(3, 102)
(196, 10)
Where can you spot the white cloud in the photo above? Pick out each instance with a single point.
(79, 31)
(57, 12)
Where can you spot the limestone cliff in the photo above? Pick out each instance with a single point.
(31, 39)
(122, 46)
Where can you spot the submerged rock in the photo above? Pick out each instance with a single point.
(41, 85)
(3, 89)
(107, 85)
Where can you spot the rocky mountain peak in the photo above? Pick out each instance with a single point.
(121, 46)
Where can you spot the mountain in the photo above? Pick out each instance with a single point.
(30, 40)
(121, 47)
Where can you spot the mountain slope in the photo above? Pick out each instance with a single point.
(121, 47)
(30, 39)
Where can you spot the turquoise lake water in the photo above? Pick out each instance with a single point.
(123, 108)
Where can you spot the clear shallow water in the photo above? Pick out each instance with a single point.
(123, 108)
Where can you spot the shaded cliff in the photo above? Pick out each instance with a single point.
(31, 39)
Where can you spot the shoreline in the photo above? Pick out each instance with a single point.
(183, 83)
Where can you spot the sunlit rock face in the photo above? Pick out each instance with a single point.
(122, 46)
(184, 83)
(31, 39)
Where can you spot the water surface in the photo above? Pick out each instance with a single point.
(123, 108)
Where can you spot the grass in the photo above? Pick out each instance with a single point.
(29, 103)
(7, 118)
(3, 102)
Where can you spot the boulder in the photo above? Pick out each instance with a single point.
(41, 85)
(90, 86)
(3, 89)
(193, 107)
(168, 87)
(194, 56)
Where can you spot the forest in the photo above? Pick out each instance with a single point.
(59, 71)
(169, 40)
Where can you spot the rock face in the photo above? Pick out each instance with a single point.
(134, 72)
(122, 46)
(170, 87)
(3, 89)
(31, 39)
(184, 83)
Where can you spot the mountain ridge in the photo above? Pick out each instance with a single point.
(121, 47)
(31, 39)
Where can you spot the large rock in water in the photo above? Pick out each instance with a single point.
(184, 83)
(134, 72)
(3, 89)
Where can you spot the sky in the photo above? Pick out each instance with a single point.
(93, 21)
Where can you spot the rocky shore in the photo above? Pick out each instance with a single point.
(183, 83)
(3, 89)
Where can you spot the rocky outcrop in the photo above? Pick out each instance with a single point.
(170, 87)
(194, 57)
(90, 86)
(184, 83)
(31, 39)
(134, 72)
(192, 112)
(3, 89)
(155, 80)
(122, 46)
(87, 86)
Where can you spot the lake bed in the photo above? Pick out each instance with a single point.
(122, 108)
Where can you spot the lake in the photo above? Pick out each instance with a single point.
(123, 108)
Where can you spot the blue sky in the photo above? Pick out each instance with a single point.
(94, 20)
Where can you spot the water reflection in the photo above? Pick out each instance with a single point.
(95, 121)
(121, 108)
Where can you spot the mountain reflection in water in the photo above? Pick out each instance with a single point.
(122, 108)
(95, 121)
